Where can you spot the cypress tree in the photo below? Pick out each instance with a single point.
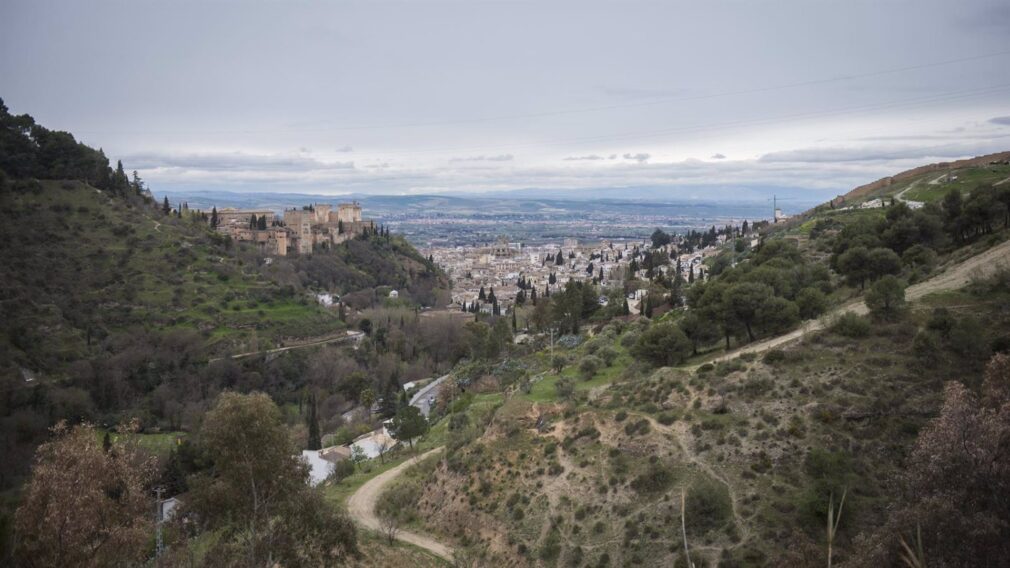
(315, 441)
(165, 207)
(213, 218)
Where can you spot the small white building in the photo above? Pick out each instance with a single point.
(319, 468)
(375, 443)
(394, 294)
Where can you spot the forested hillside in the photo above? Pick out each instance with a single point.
(112, 304)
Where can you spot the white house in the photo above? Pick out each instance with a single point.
(394, 294)
(319, 468)
(374, 443)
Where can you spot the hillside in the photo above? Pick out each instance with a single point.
(112, 307)
(592, 476)
(578, 454)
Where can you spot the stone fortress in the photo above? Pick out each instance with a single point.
(298, 231)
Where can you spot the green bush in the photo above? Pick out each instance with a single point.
(707, 506)
(663, 344)
(565, 388)
(811, 302)
(341, 470)
(774, 356)
(886, 298)
(851, 325)
(589, 366)
(608, 354)
(657, 479)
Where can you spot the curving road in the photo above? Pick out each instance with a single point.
(427, 395)
(957, 276)
(361, 507)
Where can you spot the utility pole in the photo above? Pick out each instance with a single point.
(160, 543)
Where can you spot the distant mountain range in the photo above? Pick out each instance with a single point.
(724, 202)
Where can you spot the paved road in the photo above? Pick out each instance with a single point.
(955, 277)
(361, 507)
(351, 335)
(426, 397)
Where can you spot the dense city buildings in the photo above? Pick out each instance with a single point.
(496, 277)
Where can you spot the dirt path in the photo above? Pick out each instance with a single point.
(901, 194)
(955, 277)
(350, 336)
(361, 507)
(680, 433)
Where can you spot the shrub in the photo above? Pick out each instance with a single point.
(589, 366)
(811, 302)
(663, 344)
(667, 418)
(341, 470)
(657, 479)
(638, 427)
(558, 363)
(608, 354)
(565, 388)
(707, 506)
(851, 325)
(629, 339)
(774, 356)
(886, 298)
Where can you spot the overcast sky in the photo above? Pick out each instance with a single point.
(421, 97)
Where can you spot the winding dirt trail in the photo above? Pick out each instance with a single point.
(351, 335)
(957, 276)
(361, 507)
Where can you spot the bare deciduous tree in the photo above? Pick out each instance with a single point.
(85, 506)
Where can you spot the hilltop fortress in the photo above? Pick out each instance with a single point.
(299, 231)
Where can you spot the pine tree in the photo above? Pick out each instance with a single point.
(138, 185)
(120, 183)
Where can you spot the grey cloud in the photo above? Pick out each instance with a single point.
(718, 156)
(498, 158)
(640, 157)
(580, 158)
(643, 93)
(230, 161)
(878, 154)
(1001, 120)
(345, 149)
